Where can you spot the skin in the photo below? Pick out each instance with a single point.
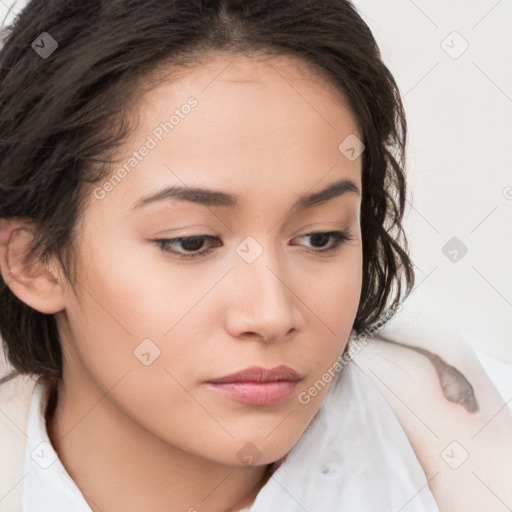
(136, 437)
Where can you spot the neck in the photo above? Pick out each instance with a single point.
(120, 466)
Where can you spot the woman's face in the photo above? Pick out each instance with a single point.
(152, 324)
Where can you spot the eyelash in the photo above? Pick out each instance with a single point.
(340, 238)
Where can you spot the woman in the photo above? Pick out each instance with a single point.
(201, 202)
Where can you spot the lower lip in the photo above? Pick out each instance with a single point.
(257, 393)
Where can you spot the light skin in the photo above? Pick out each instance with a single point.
(156, 437)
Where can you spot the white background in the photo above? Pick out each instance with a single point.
(459, 109)
(460, 124)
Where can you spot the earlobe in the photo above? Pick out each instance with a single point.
(29, 278)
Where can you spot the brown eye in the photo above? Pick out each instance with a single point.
(191, 245)
(320, 239)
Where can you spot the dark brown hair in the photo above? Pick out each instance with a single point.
(63, 116)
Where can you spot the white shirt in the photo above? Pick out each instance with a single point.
(353, 457)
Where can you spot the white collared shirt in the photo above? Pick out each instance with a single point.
(353, 457)
(47, 485)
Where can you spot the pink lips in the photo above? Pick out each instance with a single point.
(258, 386)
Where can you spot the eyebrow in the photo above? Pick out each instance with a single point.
(214, 198)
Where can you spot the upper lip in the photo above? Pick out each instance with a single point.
(259, 374)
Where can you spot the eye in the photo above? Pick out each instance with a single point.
(191, 246)
(338, 238)
(189, 243)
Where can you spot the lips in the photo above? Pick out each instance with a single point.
(258, 386)
(258, 374)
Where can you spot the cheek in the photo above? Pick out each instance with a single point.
(333, 290)
(121, 286)
(133, 310)
(333, 298)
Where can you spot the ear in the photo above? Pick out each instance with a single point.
(35, 283)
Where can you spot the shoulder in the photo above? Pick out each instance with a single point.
(454, 417)
(15, 400)
(15, 391)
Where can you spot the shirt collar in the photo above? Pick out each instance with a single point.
(47, 486)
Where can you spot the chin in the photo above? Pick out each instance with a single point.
(256, 451)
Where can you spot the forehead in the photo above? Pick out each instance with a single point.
(283, 73)
(257, 125)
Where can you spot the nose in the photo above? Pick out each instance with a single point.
(262, 302)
